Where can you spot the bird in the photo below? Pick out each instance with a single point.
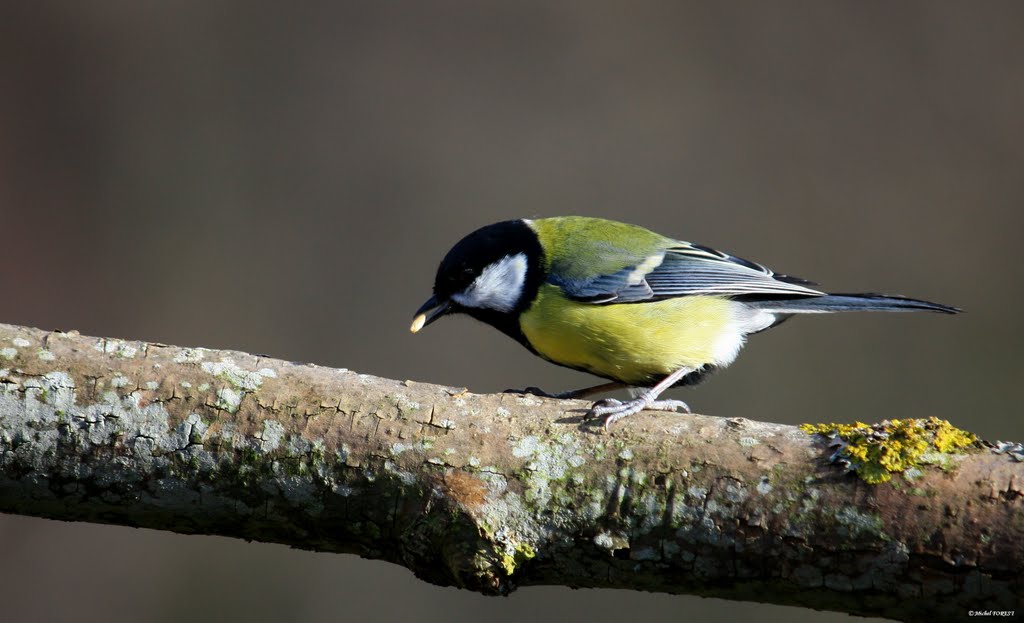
(642, 310)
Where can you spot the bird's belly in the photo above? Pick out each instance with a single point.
(636, 343)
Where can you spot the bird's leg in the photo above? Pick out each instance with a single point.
(590, 391)
(613, 410)
(569, 395)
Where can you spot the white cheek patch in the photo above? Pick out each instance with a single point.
(498, 287)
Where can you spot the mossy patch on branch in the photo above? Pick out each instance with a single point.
(877, 451)
(523, 552)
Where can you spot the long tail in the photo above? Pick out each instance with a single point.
(849, 302)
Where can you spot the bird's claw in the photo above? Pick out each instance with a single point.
(610, 410)
(669, 405)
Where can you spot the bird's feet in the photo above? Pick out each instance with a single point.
(611, 410)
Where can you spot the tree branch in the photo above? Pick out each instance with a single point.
(490, 492)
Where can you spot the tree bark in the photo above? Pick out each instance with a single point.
(491, 492)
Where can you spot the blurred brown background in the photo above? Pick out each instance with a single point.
(283, 180)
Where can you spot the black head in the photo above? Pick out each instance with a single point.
(492, 274)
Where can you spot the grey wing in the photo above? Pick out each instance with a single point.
(694, 269)
(627, 285)
(685, 269)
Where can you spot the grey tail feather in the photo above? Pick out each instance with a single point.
(849, 302)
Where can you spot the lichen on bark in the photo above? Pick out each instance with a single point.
(877, 451)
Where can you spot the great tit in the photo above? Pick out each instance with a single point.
(624, 303)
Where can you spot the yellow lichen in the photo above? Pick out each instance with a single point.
(523, 552)
(877, 451)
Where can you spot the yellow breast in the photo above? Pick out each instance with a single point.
(634, 343)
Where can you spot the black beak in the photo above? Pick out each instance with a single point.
(429, 312)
